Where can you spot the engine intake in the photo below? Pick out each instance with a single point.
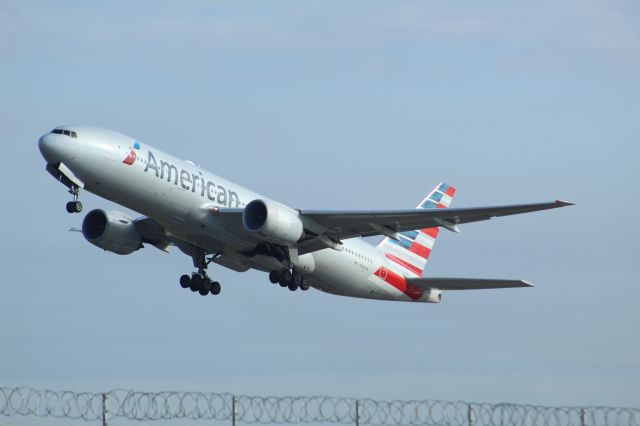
(112, 231)
(273, 221)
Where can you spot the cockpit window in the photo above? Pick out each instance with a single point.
(69, 133)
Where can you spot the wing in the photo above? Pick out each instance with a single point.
(341, 225)
(327, 228)
(464, 283)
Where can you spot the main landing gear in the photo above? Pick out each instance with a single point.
(291, 279)
(74, 206)
(200, 281)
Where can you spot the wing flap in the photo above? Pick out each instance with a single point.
(465, 283)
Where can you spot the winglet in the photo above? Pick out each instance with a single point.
(563, 203)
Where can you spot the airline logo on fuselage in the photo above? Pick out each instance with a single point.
(191, 181)
(131, 158)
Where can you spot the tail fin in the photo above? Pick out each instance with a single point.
(411, 253)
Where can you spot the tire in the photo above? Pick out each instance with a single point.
(297, 279)
(185, 281)
(292, 287)
(304, 285)
(196, 283)
(215, 288)
(77, 206)
(285, 278)
(70, 207)
(274, 277)
(205, 287)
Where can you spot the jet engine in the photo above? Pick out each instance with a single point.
(112, 231)
(433, 296)
(273, 221)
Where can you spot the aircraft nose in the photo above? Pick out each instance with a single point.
(47, 145)
(53, 148)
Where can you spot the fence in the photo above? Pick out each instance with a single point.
(150, 406)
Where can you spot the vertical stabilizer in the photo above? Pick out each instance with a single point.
(409, 255)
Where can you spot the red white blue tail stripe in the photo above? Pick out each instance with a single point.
(408, 256)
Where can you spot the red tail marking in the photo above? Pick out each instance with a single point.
(432, 232)
(400, 283)
(404, 264)
(420, 250)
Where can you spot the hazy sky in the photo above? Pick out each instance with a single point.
(336, 105)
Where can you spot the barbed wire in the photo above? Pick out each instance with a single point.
(147, 406)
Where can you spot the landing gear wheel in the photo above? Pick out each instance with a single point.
(304, 285)
(205, 287)
(297, 279)
(285, 278)
(185, 281)
(293, 286)
(274, 277)
(215, 288)
(74, 207)
(196, 283)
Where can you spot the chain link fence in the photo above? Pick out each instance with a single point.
(154, 406)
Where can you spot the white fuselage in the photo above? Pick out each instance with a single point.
(180, 195)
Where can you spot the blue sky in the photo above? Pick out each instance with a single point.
(354, 105)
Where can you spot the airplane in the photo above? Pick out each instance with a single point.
(213, 220)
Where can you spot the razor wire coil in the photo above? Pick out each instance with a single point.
(170, 405)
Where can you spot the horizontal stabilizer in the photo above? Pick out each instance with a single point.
(464, 283)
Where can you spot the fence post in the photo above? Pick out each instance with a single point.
(469, 415)
(234, 410)
(104, 409)
(357, 413)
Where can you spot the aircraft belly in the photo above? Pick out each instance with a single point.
(342, 274)
(337, 274)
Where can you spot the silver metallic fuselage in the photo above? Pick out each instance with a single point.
(180, 196)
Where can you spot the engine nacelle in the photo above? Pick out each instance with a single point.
(432, 296)
(112, 231)
(275, 222)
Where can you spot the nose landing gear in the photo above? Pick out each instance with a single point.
(74, 206)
